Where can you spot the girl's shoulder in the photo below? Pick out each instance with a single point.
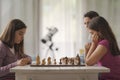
(2, 45)
(104, 42)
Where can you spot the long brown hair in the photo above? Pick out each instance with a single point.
(100, 25)
(8, 36)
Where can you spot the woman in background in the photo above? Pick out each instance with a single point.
(103, 48)
(12, 49)
(88, 16)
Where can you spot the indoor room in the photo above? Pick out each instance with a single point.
(53, 32)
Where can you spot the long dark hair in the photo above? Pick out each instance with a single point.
(8, 36)
(100, 25)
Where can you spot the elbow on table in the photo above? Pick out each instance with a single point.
(90, 63)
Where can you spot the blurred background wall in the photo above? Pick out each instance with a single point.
(65, 15)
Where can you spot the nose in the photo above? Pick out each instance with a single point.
(87, 25)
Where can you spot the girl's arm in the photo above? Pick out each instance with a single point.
(93, 57)
(96, 52)
(87, 48)
(91, 50)
(5, 69)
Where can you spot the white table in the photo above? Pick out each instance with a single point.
(58, 73)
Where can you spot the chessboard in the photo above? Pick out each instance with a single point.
(63, 62)
(57, 65)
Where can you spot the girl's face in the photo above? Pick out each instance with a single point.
(19, 35)
(93, 33)
(86, 21)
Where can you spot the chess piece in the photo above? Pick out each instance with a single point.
(37, 60)
(49, 60)
(60, 62)
(77, 60)
(55, 61)
(43, 62)
(64, 60)
(70, 61)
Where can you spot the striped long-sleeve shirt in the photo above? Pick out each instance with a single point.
(7, 59)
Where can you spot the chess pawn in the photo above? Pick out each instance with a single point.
(60, 61)
(37, 60)
(43, 62)
(49, 60)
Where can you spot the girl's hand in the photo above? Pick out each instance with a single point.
(95, 38)
(27, 60)
(87, 47)
(23, 61)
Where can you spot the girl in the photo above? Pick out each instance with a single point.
(12, 49)
(103, 48)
